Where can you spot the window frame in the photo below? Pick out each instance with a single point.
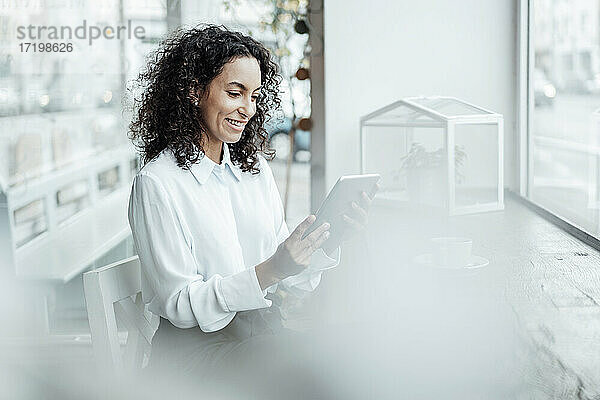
(525, 104)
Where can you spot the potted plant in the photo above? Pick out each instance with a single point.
(426, 174)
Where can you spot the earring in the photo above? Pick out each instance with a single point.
(195, 102)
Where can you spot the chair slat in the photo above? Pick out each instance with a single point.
(132, 316)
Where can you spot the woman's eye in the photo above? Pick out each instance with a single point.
(233, 94)
(254, 98)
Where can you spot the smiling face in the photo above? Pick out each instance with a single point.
(231, 101)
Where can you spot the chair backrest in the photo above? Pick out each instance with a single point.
(112, 292)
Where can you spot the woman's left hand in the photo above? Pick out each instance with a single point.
(357, 218)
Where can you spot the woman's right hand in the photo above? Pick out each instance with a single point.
(293, 254)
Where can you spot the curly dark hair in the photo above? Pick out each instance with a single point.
(186, 62)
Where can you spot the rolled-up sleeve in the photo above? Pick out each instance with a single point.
(310, 278)
(171, 284)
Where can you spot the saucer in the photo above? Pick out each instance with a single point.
(474, 262)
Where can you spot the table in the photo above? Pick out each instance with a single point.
(526, 326)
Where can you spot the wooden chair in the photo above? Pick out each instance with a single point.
(115, 291)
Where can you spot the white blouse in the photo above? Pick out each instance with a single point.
(199, 233)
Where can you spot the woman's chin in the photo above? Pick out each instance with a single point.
(233, 138)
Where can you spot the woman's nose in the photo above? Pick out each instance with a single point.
(248, 108)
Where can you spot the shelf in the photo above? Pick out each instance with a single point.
(468, 201)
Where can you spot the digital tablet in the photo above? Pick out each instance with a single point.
(339, 202)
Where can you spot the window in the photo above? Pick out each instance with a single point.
(563, 132)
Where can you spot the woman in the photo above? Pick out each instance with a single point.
(206, 215)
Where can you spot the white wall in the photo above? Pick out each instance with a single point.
(379, 51)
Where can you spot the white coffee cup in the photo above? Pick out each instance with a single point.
(451, 252)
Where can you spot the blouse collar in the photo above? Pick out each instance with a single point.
(204, 168)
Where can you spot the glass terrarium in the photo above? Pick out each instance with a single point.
(437, 152)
